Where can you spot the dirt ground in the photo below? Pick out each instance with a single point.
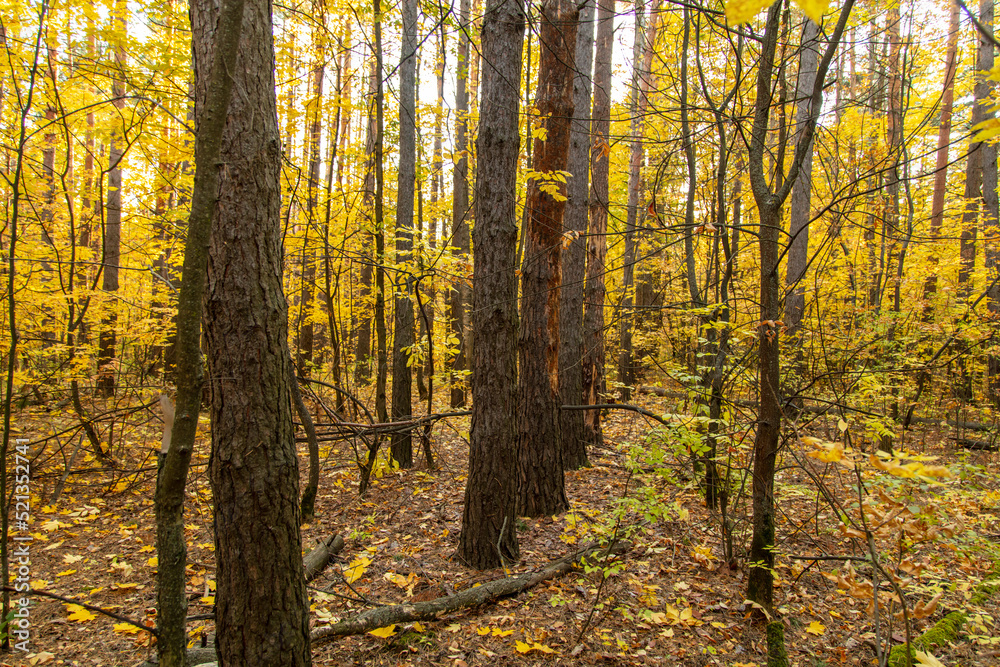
(675, 598)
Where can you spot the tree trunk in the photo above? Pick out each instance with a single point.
(642, 57)
(383, 363)
(597, 243)
(304, 353)
(111, 255)
(541, 482)
(991, 234)
(765, 448)
(363, 322)
(574, 440)
(182, 423)
(402, 340)
(459, 212)
(941, 162)
(800, 209)
(261, 610)
(489, 522)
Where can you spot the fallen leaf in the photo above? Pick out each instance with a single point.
(384, 633)
(79, 614)
(816, 628)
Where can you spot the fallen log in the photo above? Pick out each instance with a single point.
(316, 560)
(380, 617)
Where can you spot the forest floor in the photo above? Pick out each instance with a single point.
(674, 598)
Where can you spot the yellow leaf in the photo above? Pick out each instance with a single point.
(79, 614)
(497, 632)
(384, 633)
(418, 627)
(41, 658)
(208, 599)
(65, 573)
(39, 584)
(147, 548)
(927, 660)
(356, 569)
(522, 647)
(69, 559)
(816, 628)
(814, 9)
(125, 628)
(482, 631)
(153, 562)
(741, 11)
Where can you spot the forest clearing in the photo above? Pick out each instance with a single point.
(490, 331)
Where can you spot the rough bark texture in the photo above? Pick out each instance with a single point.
(460, 210)
(181, 423)
(540, 469)
(799, 210)
(574, 442)
(402, 340)
(489, 522)
(261, 610)
(597, 243)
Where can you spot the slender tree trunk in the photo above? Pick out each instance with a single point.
(489, 522)
(941, 162)
(541, 482)
(363, 321)
(991, 233)
(402, 340)
(800, 209)
(111, 259)
(459, 211)
(381, 413)
(304, 353)
(769, 203)
(642, 57)
(574, 440)
(597, 243)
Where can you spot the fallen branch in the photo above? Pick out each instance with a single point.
(381, 617)
(316, 560)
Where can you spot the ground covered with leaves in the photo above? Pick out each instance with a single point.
(676, 597)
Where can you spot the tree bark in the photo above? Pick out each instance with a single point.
(489, 522)
(574, 441)
(597, 243)
(182, 421)
(541, 482)
(402, 340)
(363, 322)
(261, 610)
(991, 214)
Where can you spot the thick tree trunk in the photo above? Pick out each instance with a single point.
(382, 369)
(182, 420)
(489, 522)
(597, 243)
(402, 339)
(261, 610)
(542, 489)
(574, 441)
(460, 211)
